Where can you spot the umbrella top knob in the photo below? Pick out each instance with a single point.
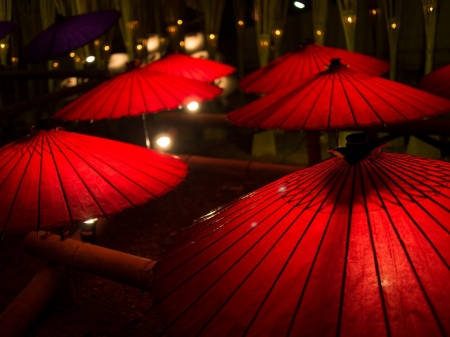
(335, 63)
(356, 149)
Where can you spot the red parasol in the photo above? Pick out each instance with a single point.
(136, 92)
(342, 248)
(54, 178)
(437, 82)
(305, 62)
(67, 34)
(199, 69)
(337, 98)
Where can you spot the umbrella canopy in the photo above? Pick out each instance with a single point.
(67, 34)
(437, 82)
(199, 69)
(305, 62)
(336, 98)
(6, 27)
(53, 178)
(342, 248)
(136, 92)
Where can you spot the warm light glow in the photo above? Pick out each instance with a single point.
(77, 59)
(349, 19)
(319, 32)
(152, 43)
(193, 106)
(240, 23)
(172, 29)
(430, 9)
(72, 54)
(91, 221)
(106, 48)
(180, 22)
(55, 64)
(374, 11)
(97, 42)
(139, 47)
(194, 42)
(182, 43)
(163, 142)
(14, 59)
(277, 32)
(264, 43)
(299, 4)
(90, 59)
(394, 26)
(2, 46)
(212, 36)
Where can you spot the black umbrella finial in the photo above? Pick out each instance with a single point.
(356, 149)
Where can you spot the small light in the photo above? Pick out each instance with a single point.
(349, 19)
(90, 59)
(240, 23)
(163, 142)
(139, 47)
(97, 42)
(72, 54)
(106, 48)
(299, 4)
(55, 64)
(319, 32)
(172, 29)
(430, 9)
(277, 32)
(2, 46)
(182, 43)
(212, 36)
(77, 59)
(374, 11)
(193, 106)
(14, 59)
(393, 26)
(180, 22)
(90, 221)
(88, 230)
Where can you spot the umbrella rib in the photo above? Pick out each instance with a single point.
(372, 243)
(402, 243)
(265, 199)
(128, 79)
(79, 176)
(412, 218)
(348, 101)
(269, 187)
(347, 249)
(297, 308)
(331, 100)
(123, 175)
(351, 79)
(149, 83)
(239, 259)
(107, 180)
(312, 106)
(39, 186)
(18, 187)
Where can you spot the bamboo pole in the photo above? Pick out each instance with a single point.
(320, 15)
(347, 10)
(278, 28)
(392, 12)
(5, 15)
(430, 13)
(212, 17)
(239, 16)
(127, 24)
(264, 22)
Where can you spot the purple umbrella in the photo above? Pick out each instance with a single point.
(67, 34)
(6, 27)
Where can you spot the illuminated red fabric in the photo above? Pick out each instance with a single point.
(191, 67)
(437, 82)
(136, 92)
(305, 62)
(53, 178)
(336, 98)
(332, 250)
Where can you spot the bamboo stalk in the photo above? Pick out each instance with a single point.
(212, 15)
(392, 12)
(430, 11)
(320, 14)
(347, 10)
